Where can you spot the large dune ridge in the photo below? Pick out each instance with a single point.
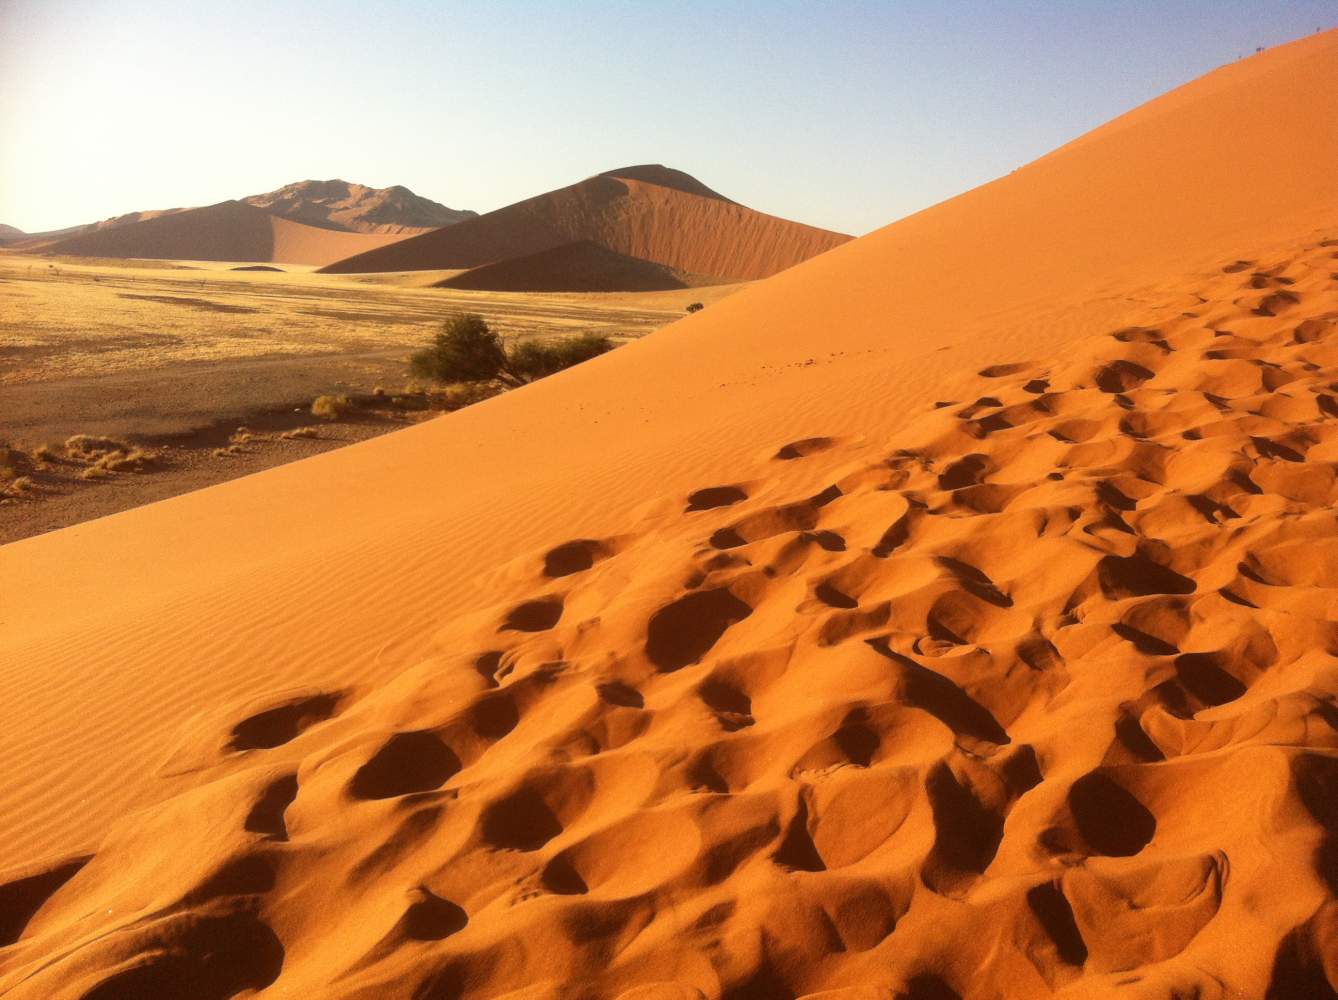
(357, 208)
(230, 230)
(948, 615)
(650, 212)
(583, 266)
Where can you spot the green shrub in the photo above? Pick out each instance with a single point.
(467, 351)
(533, 359)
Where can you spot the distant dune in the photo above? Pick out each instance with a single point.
(8, 233)
(648, 212)
(572, 267)
(948, 616)
(356, 208)
(229, 230)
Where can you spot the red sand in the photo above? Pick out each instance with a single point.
(668, 218)
(950, 615)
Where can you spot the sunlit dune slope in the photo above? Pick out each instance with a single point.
(649, 212)
(949, 615)
(229, 230)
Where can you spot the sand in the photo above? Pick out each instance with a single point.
(648, 212)
(946, 616)
(356, 208)
(230, 231)
(573, 267)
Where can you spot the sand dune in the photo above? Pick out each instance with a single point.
(572, 267)
(10, 233)
(356, 208)
(648, 212)
(229, 230)
(947, 616)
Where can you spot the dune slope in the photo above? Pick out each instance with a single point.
(337, 204)
(946, 616)
(229, 230)
(572, 267)
(649, 212)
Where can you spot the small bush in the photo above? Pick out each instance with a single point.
(17, 487)
(461, 394)
(464, 351)
(467, 351)
(134, 460)
(695, 307)
(94, 472)
(535, 359)
(44, 453)
(299, 432)
(330, 407)
(91, 447)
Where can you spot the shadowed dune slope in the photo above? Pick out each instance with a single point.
(229, 230)
(572, 267)
(650, 212)
(947, 616)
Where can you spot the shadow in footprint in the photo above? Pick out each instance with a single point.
(1109, 818)
(521, 822)
(533, 616)
(22, 898)
(683, 632)
(431, 918)
(267, 815)
(715, 496)
(406, 763)
(282, 723)
(1052, 910)
(573, 557)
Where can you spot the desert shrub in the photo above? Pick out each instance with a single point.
(109, 454)
(330, 407)
(299, 432)
(467, 351)
(464, 351)
(458, 395)
(44, 453)
(94, 472)
(91, 447)
(695, 307)
(17, 487)
(534, 359)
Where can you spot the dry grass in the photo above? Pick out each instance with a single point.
(94, 472)
(300, 432)
(331, 407)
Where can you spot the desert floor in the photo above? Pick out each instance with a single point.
(178, 355)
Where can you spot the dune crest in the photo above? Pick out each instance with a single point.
(652, 213)
(947, 616)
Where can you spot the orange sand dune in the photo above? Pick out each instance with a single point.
(572, 267)
(649, 212)
(947, 616)
(229, 230)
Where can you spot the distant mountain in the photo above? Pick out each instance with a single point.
(649, 212)
(8, 233)
(356, 208)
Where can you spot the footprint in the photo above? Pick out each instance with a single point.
(1109, 819)
(267, 815)
(1139, 576)
(732, 707)
(21, 898)
(533, 616)
(683, 632)
(431, 918)
(715, 496)
(999, 371)
(574, 557)
(803, 448)
(406, 763)
(1121, 376)
(522, 821)
(1052, 910)
(282, 723)
(620, 694)
(204, 957)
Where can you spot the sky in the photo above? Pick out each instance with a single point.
(846, 115)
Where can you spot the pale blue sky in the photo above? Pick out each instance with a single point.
(841, 114)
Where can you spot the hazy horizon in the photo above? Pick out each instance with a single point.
(847, 117)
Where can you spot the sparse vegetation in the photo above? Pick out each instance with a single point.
(94, 472)
(331, 407)
(109, 454)
(695, 307)
(467, 351)
(44, 453)
(300, 432)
